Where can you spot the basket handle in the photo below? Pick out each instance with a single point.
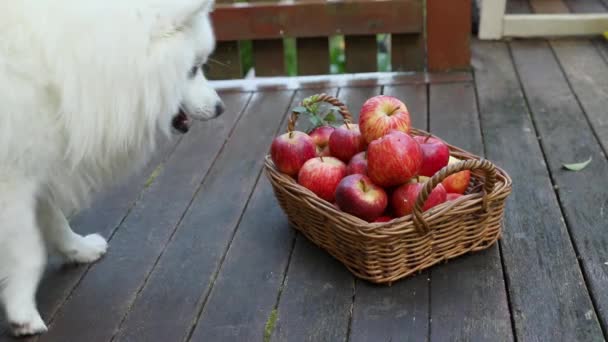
(346, 115)
(490, 172)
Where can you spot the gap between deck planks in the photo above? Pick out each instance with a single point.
(546, 289)
(573, 94)
(245, 291)
(472, 285)
(188, 266)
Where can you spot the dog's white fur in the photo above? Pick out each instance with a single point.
(85, 88)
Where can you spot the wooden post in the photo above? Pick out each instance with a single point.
(448, 34)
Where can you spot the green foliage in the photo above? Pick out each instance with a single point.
(337, 57)
(318, 113)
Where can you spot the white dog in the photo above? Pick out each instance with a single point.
(85, 88)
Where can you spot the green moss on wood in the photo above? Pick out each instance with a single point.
(153, 176)
(270, 323)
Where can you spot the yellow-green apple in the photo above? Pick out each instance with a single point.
(435, 154)
(457, 182)
(320, 136)
(357, 164)
(381, 114)
(393, 159)
(452, 196)
(321, 175)
(383, 219)
(346, 141)
(289, 151)
(358, 196)
(404, 198)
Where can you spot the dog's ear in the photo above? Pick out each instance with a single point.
(179, 15)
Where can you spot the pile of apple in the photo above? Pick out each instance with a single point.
(374, 169)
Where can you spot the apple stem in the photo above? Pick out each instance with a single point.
(347, 125)
(394, 110)
(363, 185)
(290, 134)
(427, 137)
(321, 158)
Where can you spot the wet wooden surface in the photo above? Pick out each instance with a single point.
(200, 250)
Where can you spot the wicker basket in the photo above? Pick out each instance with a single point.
(386, 252)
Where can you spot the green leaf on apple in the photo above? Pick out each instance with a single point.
(300, 110)
(316, 121)
(577, 166)
(330, 118)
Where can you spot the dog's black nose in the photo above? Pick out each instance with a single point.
(219, 109)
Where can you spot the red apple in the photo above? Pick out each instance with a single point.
(458, 182)
(320, 136)
(435, 154)
(393, 159)
(404, 198)
(357, 164)
(358, 196)
(322, 175)
(383, 219)
(381, 114)
(346, 141)
(291, 150)
(451, 196)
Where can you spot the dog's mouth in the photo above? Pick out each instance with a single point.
(181, 122)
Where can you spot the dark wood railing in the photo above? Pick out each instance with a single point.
(435, 42)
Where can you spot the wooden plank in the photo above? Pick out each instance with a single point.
(548, 6)
(585, 76)
(585, 6)
(398, 312)
(248, 284)
(185, 272)
(268, 57)
(268, 54)
(518, 7)
(554, 25)
(266, 19)
(448, 34)
(316, 300)
(225, 62)
(477, 278)
(407, 52)
(588, 76)
(361, 53)
(602, 46)
(492, 12)
(547, 293)
(566, 137)
(103, 217)
(111, 285)
(313, 56)
(587, 73)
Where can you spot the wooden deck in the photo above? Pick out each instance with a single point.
(200, 251)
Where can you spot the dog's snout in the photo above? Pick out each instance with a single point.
(219, 108)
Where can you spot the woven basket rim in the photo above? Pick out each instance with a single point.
(401, 225)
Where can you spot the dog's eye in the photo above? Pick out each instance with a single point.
(193, 71)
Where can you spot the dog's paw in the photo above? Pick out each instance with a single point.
(88, 249)
(27, 324)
